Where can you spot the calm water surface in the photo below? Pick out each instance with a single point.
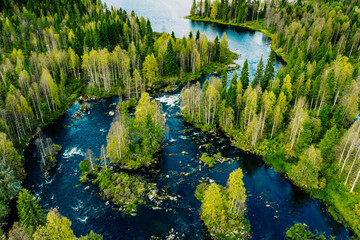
(274, 204)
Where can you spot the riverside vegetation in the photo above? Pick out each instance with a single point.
(223, 209)
(131, 144)
(53, 52)
(301, 120)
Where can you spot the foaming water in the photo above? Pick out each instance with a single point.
(73, 151)
(273, 204)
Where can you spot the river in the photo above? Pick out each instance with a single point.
(273, 204)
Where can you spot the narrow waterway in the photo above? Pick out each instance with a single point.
(274, 204)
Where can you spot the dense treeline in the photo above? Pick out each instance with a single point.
(302, 119)
(53, 51)
(35, 224)
(236, 11)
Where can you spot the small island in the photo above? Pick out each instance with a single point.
(223, 208)
(132, 143)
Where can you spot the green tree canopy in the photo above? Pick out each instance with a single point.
(29, 210)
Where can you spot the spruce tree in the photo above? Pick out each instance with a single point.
(29, 210)
(197, 35)
(170, 64)
(259, 74)
(231, 97)
(234, 78)
(224, 79)
(269, 71)
(217, 48)
(231, 94)
(149, 39)
(244, 78)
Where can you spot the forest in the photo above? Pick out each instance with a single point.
(303, 119)
(52, 52)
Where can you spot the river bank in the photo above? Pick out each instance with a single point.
(274, 203)
(338, 200)
(252, 25)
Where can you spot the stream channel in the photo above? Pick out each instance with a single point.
(274, 204)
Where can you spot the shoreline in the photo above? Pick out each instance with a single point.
(320, 194)
(336, 215)
(253, 26)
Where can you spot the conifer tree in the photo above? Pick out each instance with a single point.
(269, 72)
(259, 74)
(244, 78)
(171, 66)
(29, 210)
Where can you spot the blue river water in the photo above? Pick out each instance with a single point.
(274, 204)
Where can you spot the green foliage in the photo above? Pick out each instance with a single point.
(244, 78)
(200, 191)
(150, 69)
(306, 172)
(123, 189)
(324, 117)
(305, 137)
(222, 209)
(18, 231)
(29, 210)
(89, 50)
(327, 144)
(226, 11)
(11, 157)
(320, 67)
(213, 208)
(171, 67)
(91, 236)
(48, 152)
(207, 160)
(269, 72)
(133, 142)
(259, 74)
(9, 187)
(224, 79)
(300, 231)
(224, 48)
(57, 227)
(338, 117)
